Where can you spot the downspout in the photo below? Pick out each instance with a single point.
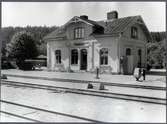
(69, 56)
(118, 51)
(92, 55)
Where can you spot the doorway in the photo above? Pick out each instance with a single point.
(83, 64)
(128, 62)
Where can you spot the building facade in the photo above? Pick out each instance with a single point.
(115, 45)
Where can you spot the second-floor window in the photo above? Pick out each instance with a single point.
(79, 33)
(58, 56)
(134, 32)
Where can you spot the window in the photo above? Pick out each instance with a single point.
(58, 56)
(104, 56)
(139, 52)
(74, 56)
(79, 33)
(134, 33)
(128, 51)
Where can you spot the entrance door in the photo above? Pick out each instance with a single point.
(83, 65)
(128, 62)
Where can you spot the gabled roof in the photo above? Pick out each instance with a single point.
(116, 25)
(119, 25)
(58, 33)
(110, 27)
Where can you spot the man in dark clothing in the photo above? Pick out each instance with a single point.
(144, 74)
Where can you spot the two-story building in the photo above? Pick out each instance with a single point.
(114, 45)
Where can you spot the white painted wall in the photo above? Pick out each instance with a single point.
(112, 44)
(105, 42)
(52, 47)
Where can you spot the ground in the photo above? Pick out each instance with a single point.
(72, 107)
(87, 107)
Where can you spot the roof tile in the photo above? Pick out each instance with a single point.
(110, 26)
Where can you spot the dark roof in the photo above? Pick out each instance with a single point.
(108, 26)
(58, 33)
(116, 25)
(91, 22)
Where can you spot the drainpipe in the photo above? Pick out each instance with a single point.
(118, 50)
(69, 62)
(92, 55)
(69, 56)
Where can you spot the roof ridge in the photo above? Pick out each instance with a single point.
(119, 18)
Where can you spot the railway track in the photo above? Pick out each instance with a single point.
(53, 113)
(136, 98)
(19, 116)
(84, 81)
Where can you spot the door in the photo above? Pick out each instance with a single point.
(128, 62)
(83, 64)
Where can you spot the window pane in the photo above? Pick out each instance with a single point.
(106, 60)
(83, 32)
(104, 56)
(139, 52)
(134, 33)
(75, 33)
(74, 56)
(128, 51)
(79, 33)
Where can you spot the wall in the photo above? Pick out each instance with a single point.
(52, 47)
(141, 34)
(72, 26)
(112, 44)
(135, 44)
(92, 54)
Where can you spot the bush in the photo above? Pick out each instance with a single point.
(6, 65)
(3, 76)
(26, 66)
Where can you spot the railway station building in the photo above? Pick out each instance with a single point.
(114, 45)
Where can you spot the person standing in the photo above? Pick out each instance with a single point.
(144, 74)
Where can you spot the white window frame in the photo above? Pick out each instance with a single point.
(75, 62)
(79, 33)
(105, 60)
(58, 57)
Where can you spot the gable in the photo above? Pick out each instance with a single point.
(109, 27)
(67, 30)
(143, 33)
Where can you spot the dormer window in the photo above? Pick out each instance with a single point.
(134, 32)
(79, 33)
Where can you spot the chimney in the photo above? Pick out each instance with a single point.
(85, 17)
(112, 15)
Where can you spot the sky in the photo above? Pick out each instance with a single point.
(58, 13)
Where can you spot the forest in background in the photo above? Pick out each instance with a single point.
(156, 49)
(38, 33)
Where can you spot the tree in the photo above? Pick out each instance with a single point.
(157, 53)
(22, 46)
(37, 32)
